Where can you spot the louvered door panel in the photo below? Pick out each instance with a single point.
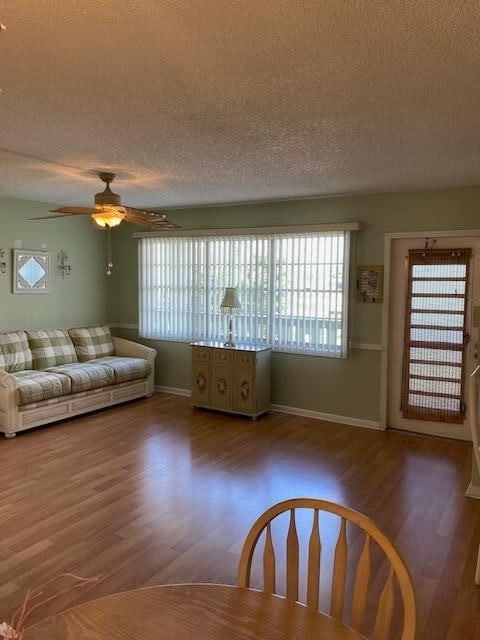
(435, 335)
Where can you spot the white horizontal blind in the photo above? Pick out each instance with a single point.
(292, 288)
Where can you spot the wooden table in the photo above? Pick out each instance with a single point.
(190, 612)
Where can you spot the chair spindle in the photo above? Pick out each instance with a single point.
(314, 554)
(385, 610)
(360, 591)
(268, 562)
(339, 573)
(292, 559)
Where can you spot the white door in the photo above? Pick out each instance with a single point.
(425, 373)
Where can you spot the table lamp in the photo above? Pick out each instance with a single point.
(230, 302)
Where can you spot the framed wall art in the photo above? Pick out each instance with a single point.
(370, 283)
(31, 271)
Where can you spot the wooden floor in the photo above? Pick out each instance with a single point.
(153, 492)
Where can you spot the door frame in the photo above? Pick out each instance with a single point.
(387, 258)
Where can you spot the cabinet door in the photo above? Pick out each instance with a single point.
(244, 391)
(221, 386)
(200, 383)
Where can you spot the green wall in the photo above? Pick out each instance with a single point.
(79, 299)
(345, 387)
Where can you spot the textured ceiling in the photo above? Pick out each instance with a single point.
(206, 101)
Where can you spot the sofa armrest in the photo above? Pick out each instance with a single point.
(8, 403)
(129, 349)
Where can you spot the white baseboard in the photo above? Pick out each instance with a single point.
(328, 417)
(473, 491)
(173, 390)
(295, 411)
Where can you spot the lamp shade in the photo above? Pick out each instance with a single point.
(230, 299)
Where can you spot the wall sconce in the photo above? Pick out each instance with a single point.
(3, 264)
(65, 268)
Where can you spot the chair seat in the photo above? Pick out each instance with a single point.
(125, 369)
(85, 375)
(36, 386)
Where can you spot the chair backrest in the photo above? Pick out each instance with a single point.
(363, 571)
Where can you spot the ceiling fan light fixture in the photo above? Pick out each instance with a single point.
(109, 211)
(106, 216)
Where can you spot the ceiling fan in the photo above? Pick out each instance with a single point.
(109, 211)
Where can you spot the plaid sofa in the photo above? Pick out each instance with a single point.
(51, 374)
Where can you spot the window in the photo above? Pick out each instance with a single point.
(293, 289)
(435, 335)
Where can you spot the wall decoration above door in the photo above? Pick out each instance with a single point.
(31, 271)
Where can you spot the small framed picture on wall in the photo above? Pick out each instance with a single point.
(31, 271)
(370, 283)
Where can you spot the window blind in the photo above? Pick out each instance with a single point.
(292, 288)
(435, 335)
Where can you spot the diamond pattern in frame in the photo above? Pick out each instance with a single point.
(31, 272)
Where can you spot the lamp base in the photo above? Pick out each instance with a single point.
(229, 342)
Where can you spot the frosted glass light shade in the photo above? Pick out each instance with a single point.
(107, 216)
(230, 299)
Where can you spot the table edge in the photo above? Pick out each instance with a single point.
(190, 584)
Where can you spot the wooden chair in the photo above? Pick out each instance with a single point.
(474, 422)
(363, 571)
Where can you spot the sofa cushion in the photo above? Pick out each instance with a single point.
(126, 369)
(92, 342)
(35, 386)
(51, 348)
(15, 354)
(85, 376)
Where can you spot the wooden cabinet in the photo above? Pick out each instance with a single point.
(234, 379)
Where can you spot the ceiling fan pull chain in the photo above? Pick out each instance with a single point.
(109, 252)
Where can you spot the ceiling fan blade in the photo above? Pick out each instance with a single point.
(146, 212)
(149, 224)
(73, 211)
(61, 215)
(151, 219)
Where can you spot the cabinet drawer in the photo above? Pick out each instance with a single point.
(201, 354)
(245, 360)
(221, 356)
(128, 393)
(49, 413)
(91, 402)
